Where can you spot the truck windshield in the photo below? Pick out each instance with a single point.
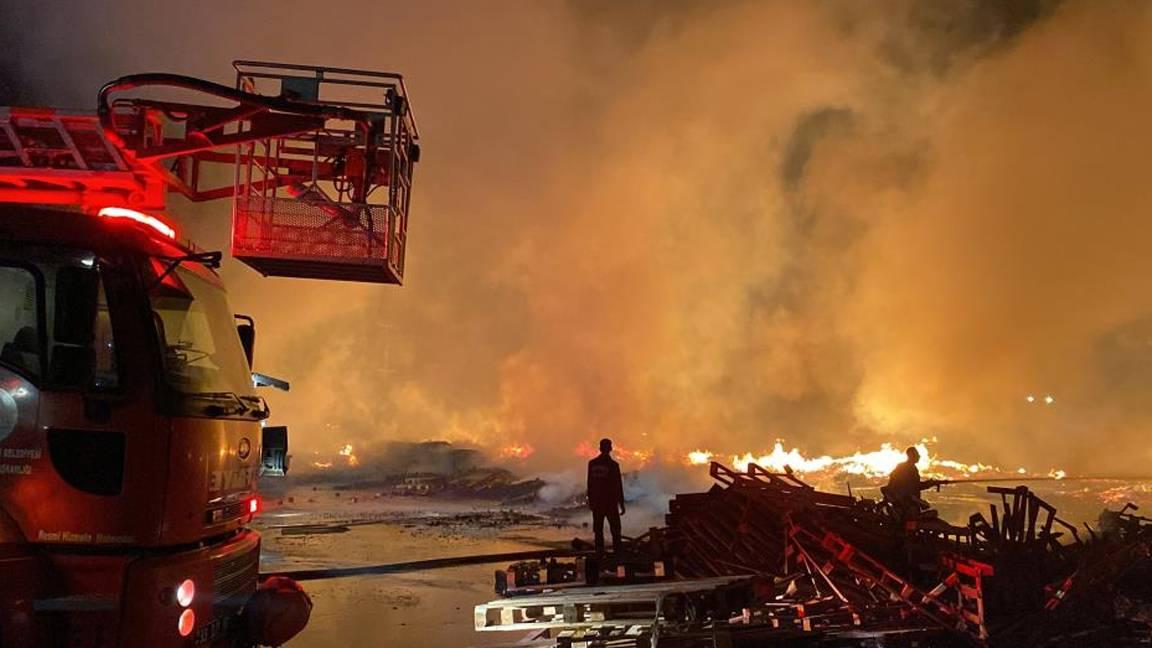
(202, 352)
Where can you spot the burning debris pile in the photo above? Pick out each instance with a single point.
(763, 558)
(396, 457)
(871, 464)
(423, 469)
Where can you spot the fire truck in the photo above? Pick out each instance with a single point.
(131, 430)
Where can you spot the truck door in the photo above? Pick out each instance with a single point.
(89, 475)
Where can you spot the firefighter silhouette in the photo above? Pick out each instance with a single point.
(605, 496)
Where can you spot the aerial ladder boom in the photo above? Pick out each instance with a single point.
(318, 161)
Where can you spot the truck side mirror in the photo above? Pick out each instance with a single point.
(247, 332)
(274, 451)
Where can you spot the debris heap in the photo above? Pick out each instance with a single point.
(764, 559)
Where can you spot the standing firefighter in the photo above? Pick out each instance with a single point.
(605, 496)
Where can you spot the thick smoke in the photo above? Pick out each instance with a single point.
(711, 225)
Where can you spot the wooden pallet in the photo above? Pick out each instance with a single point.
(579, 608)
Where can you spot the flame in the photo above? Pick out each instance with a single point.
(516, 451)
(634, 458)
(699, 457)
(349, 458)
(876, 463)
(346, 451)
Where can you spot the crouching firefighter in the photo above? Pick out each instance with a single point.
(904, 487)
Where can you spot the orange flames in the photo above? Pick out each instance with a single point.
(516, 451)
(346, 452)
(699, 457)
(346, 455)
(876, 463)
(634, 458)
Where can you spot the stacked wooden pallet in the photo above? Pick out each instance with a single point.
(763, 559)
(590, 607)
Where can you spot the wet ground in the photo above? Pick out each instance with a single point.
(322, 528)
(430, 609)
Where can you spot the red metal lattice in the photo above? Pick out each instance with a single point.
(330, 202)
(286, 237)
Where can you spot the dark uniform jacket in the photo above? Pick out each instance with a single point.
(605, 487)
(903, 483)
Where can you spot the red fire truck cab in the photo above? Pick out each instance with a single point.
(130, 428)
(129, 437)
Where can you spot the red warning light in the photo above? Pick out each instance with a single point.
(187, 622)
(139, 217)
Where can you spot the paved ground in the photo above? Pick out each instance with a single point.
(429, 609)
(434, 609)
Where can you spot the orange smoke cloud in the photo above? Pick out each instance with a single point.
(708, 227)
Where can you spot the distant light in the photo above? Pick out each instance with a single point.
(139, 217)
(1021, 471)
(1030, 398)
(1048, 400)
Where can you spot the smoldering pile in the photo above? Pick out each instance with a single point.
(420, 469)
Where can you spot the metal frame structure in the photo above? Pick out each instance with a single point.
(322, 158)
(332, 193)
